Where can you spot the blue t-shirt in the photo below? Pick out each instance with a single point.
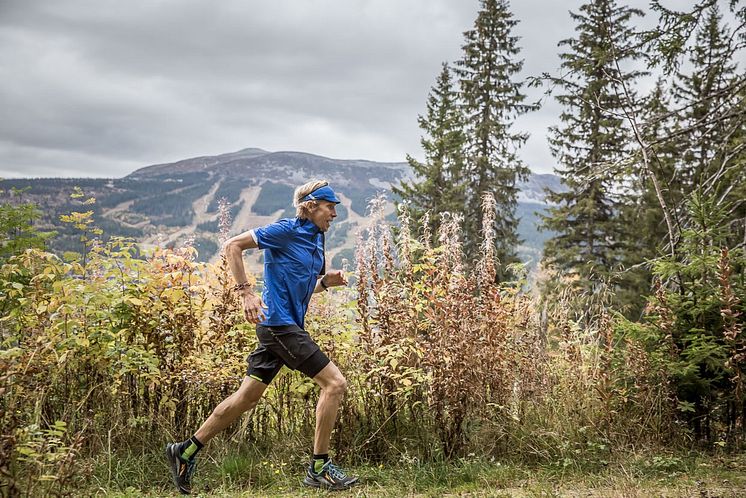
(293, 257)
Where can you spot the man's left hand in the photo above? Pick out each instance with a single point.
(334, 278)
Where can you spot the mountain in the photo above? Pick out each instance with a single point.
(533, 190)
(165, 204)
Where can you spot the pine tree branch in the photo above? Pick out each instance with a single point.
(629, 113)
(732, 89)
(714, 179)
(670, 40)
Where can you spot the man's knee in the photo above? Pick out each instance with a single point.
(331, 380)
(233, 406)
(337, 386)
(248, 395)
(246, 401)
(252, 390)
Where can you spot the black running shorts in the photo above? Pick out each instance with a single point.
(284, 345)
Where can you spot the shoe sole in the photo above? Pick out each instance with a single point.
(329, 487)
(174, 466)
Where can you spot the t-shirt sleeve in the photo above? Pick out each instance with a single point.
(273, 236)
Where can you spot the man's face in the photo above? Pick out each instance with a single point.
(323, 215)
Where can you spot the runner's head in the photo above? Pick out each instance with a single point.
(316, 201)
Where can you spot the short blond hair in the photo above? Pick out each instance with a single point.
(303, 208)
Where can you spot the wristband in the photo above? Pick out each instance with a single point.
(323, 285)
(241, 286)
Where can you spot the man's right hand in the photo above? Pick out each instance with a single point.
(253, 307)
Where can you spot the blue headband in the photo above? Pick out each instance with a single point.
(324, 193)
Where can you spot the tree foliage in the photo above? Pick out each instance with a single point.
(469, 144)
(591, 146)
(18, 226)
(491, 99)
(699, 314)
(439, 184)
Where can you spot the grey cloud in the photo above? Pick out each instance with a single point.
(154, 81)
(87, 83)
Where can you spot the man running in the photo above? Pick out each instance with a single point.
(294, 269)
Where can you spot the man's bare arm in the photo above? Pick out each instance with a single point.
(253, 307)
(234, 248)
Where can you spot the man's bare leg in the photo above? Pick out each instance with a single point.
(181, 456)
(231, 408)
(322, 472)
(333, 386)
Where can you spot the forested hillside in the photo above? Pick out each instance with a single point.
(164, 205)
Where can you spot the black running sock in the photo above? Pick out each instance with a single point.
(319, 461)
(189, 448)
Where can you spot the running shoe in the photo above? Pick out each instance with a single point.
(329, 477)
(181, 470)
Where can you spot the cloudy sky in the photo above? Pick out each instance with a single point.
(102, 87)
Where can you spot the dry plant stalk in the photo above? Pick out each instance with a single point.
(468, 340)
(733, 335)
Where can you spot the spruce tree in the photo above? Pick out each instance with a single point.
(491, 99)
(438, 186)
(692, 139)
(709, 100)
(589, 146)
(701, 280)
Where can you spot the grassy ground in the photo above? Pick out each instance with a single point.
(636, 476)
